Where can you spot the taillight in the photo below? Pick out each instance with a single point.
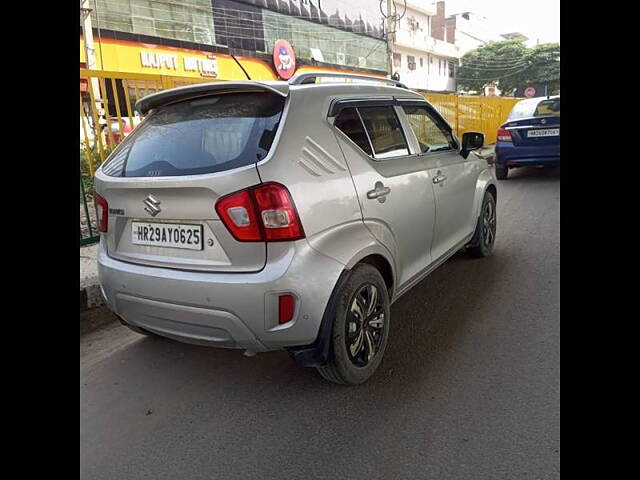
(102, 212)
(264, 213)
(504, 135)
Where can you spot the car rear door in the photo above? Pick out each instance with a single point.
(162, 183)
(391, 182)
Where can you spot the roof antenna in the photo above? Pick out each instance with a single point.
(240, 65)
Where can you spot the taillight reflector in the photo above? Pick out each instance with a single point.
(286, 307)
(504, 135)
(264, 213)
(102, 212)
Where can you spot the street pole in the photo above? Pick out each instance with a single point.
(390, 37)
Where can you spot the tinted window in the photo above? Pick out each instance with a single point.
(523, 109)
(431, 135)
(384, 130)
(200, 136)
(349, 123)
(549, 106)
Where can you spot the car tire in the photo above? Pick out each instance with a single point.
(361, 314)
(501, 172)
(484, 236)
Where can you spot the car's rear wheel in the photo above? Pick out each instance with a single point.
(501, 172)
(485, 235)
(360, 327)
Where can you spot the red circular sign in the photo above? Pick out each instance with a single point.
(284, 59)
(529, 92)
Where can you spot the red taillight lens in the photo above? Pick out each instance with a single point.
(102, 212)
(264, 213)
(504, 135)
(286, 307)
(278, 213)
(239, 215)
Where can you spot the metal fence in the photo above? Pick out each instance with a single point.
(473, 114)
(107, 115)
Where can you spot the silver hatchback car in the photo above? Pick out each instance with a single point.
(286, 215)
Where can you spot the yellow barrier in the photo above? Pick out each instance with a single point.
(473, 114)
(109, 97)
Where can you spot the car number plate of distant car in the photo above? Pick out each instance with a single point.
(175, 235)
(547, 132)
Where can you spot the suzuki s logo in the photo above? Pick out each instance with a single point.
(543, 121)
(152, 206)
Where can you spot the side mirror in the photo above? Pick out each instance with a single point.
(471, 141)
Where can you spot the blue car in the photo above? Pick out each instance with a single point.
(530, 136)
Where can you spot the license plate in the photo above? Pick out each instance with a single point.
(175, 235)
(547, 132)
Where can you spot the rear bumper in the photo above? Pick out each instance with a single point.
(511, 155)
(231, 310)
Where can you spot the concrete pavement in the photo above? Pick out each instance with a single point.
(469, 387)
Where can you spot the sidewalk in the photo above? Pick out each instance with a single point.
(89, 288)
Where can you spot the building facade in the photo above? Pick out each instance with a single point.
(423, 57)
(210, 38)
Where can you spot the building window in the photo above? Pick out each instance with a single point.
(439, 67)
(421, 63)
(397, 60)
(411, 62)
(190, 21)
(452, 70)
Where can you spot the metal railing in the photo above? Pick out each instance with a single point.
(107, 115)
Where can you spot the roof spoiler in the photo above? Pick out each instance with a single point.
(179, 94)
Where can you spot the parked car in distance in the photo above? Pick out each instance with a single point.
(530, 136)
(286, 215)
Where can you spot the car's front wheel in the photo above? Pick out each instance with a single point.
(485, 235)
(360, 327)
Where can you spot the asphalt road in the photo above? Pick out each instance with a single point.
(469, 387)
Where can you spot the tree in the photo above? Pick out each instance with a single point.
(512, 65)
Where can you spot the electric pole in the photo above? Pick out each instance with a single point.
(391, 30)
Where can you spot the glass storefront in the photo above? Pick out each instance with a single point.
(249, 26)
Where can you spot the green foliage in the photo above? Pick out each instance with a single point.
(512, 65)
(85, 171)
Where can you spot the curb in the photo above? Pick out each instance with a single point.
(90, 295)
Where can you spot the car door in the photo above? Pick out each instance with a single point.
(391, 182)
(453, 177)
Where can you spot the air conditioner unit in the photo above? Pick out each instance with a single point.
(341, 58)
(412, 66)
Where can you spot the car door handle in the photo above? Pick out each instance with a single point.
(439, 178)
(379, 192)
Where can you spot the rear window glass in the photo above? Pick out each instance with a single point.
(385, 132)
(535, 108)
(348, 122)
(548, 107)
(206, 135)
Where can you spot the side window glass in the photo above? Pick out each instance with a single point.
(431, 135)
(383, 126)
(348, 122)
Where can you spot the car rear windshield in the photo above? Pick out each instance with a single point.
(535, 108)
(200, 136)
